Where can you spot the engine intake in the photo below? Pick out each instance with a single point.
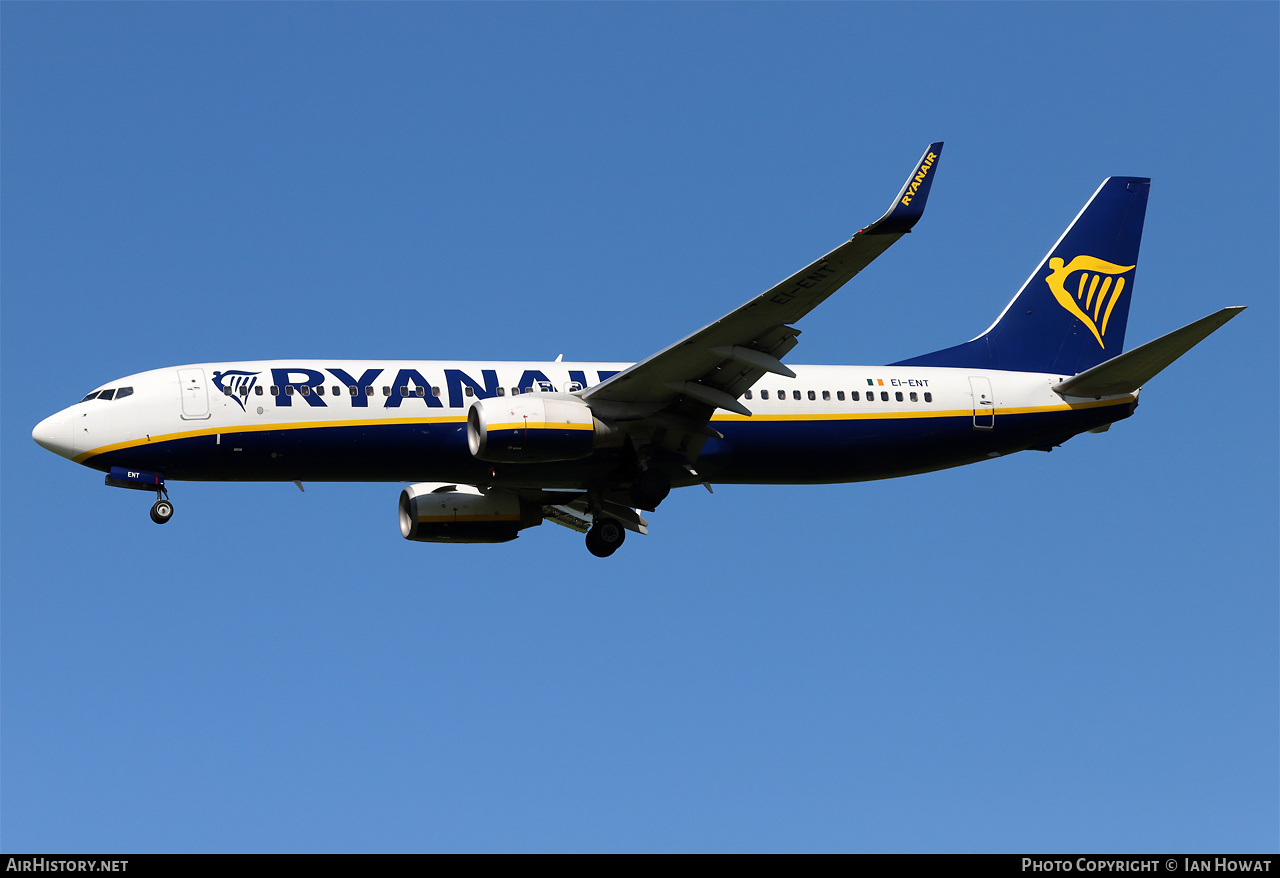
(532, 428)
(431, 512)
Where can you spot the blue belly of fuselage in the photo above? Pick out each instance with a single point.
(753, 451)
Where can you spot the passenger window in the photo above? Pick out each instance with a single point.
(368, 391)
(898, 396)
(515, 391)
(386, 391)
(747, 394)
(840, 395)
(421, 391)
(319, 390)
(812, 395)
(469, 391)
(305, 389)
(106, 394)
(353, 390)
(226, 391)
(764, 394)
(501, 391)
(795, 394)
(913, 397)
(404, 390)
(90, 396)
(884, 396)
(275, 390)
(288, 390)
(928, 397)
(826, 395)
(337, 391)
(257, 391)
(435, 391)
(782, 394)
(126, 391)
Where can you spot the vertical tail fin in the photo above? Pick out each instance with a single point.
(1071, 313)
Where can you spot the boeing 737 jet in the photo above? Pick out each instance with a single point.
(492, 448)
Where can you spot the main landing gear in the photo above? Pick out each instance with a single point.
(605, 536)
(650, 488)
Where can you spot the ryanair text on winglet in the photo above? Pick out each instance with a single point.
(925, 167)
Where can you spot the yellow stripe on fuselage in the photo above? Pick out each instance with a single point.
(877, 415)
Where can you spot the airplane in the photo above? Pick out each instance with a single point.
(489, 449)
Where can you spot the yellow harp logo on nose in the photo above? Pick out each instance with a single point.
(1092, 297)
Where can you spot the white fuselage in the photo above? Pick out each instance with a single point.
(347, 420)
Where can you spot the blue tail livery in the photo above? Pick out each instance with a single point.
(492, 448)
(1071, 313)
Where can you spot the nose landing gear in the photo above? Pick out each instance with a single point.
(141, 480)
(161, 511)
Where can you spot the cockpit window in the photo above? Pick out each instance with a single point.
(117, 393)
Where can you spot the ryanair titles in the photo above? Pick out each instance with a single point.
(378, 387)
(918, 180)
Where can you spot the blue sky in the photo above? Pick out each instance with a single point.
(1047, 652)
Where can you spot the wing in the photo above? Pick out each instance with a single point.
(681, 386)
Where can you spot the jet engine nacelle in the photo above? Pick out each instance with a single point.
(532, 428)
(432, 512)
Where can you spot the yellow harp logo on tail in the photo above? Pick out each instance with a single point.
(1092, 297)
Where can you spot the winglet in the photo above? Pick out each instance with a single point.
(908, 207)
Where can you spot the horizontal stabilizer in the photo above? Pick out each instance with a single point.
(1129, 371)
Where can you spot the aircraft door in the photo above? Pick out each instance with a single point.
(195, 394)
(984, 403)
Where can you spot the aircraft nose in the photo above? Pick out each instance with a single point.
(54, 433)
